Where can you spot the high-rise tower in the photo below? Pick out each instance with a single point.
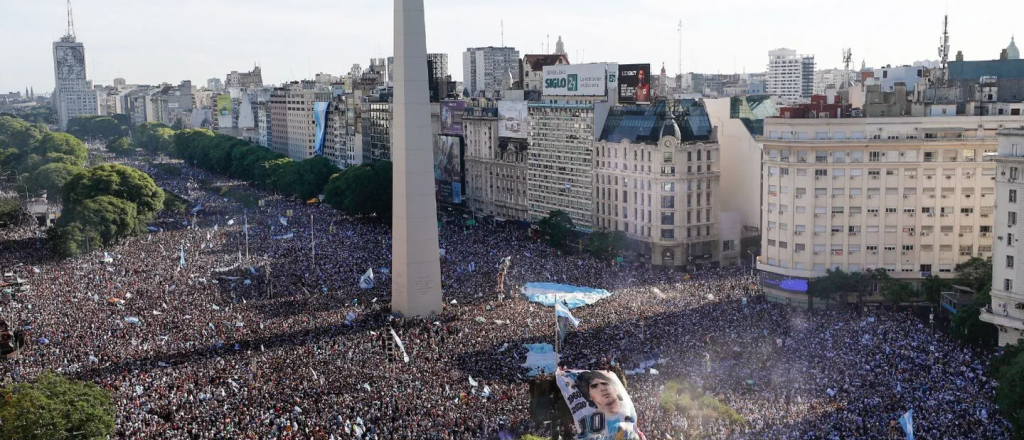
(416, 265)
(72, 94)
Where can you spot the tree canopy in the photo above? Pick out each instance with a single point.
(605, 245)
(557, 227)
(51, 178)
(96, 127)
(117, 181)
(55, 408)
(120, 146)
(362, 190)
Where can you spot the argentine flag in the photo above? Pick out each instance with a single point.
(563, 311)
(907, 422)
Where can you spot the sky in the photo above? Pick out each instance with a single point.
(155, 41)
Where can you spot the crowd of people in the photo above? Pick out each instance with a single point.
(236, 323)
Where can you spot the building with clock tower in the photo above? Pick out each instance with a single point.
(72, 95)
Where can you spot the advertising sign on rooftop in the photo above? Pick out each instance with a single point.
(575, 80)
(634, 83)
(512, 119)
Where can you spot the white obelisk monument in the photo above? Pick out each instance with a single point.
(416, 265)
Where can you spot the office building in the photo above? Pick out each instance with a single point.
(344, 141)
(73, 94)
(485, 69)
(790, 76)
(656, 178)
(497, 154)
(291, 116)
(532, 71)
(912, 195)
(244, 80)
(1007, 309)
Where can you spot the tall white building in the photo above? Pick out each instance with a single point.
(790, 76)
(484, 69)
(912, 195)
(72, 96)
(1007, 309)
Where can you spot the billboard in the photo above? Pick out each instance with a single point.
(512, 119)
(320, 117)
(224, 116)
(448, 169)
(451, 117)
(600, 405)
(224, 105)
(634, 83)
(575, 80)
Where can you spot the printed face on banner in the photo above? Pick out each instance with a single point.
(600, 405)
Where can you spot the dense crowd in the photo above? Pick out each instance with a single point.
(204, 331)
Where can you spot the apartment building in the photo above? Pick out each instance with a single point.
(291, 116)
(343, 144)
(656, 177)
(790, 76)
(484, 69)
(1007, 309)
(912, 195)
(496, 158)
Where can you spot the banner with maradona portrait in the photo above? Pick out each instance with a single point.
(600, 406)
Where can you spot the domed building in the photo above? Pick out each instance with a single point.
(1012, 53)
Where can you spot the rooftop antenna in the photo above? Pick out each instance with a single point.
(71, 22)
(680, 46)
(944, 45)
(847, 59)
(502, 33)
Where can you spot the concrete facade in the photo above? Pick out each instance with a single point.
(790, 76)
(496, 167)
(484, 69)
(416, 265)
(1007, 309)
(73, 96)
(291, 115)
(914, 196)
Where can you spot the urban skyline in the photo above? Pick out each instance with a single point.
(142, 52)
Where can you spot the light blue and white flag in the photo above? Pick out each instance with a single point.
(563, 311)
(907, 422)
(245, 228)
(283, 220)
(197, 208)
(181, 260)
(231, 222)
(366, 281)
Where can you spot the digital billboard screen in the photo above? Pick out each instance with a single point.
(451, 117)
(448, 168)
(635, 83)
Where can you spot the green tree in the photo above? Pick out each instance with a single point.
(117, 181)
(975, 273)
(362, 190)
(897, 292)
(173, 203)
(1008, 370)
(62, 144)
(55, 408)
(105, 128)
(10, 211)
(605, 244)
(109, 217)
(150, 136)
(71, 240)
(933, 286)
(314, 174)
(557, 227)
(120, 146)
(51, 178)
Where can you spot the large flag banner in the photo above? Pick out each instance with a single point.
(907, 422)
(401, 347)
(366, 281)
(599, 404)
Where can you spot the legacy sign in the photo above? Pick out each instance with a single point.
(578, 80)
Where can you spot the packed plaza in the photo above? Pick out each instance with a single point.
(272, 337)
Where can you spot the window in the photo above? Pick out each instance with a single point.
(668, 218)
(1011, 218)
(874, 156)
(1009, 239)
(820, 172)
(667, 158)
(908, 247)
(1009, 261)
(668, 186)
(1008, 285)
(966, 210)
(668, 202)
(1014, 171)
(668, 233)
(929, 156)
(1013, 196)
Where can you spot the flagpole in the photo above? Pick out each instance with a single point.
(312, 243)
(246, 238)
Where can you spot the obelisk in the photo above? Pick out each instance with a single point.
(416, 266)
